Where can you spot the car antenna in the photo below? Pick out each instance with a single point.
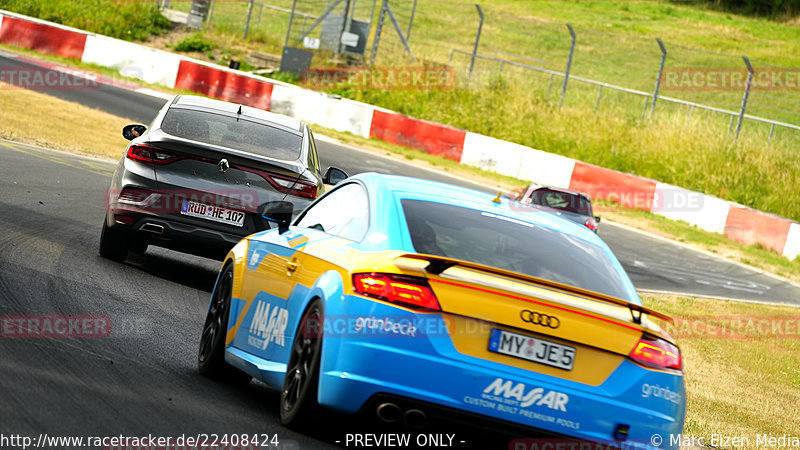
(294, 183)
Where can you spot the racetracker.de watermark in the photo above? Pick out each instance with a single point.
(51, 326)
(728, 79)
(172, 200)
(735, 327)
(574, 444)
(46, 79)
(662, 200)
(380, 78)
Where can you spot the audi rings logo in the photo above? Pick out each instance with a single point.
(539, 319)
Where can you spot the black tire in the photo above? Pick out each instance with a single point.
(113, 243)
(137, 245)
(299, 393)
(211, 354)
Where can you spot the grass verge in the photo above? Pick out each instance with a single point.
(741, 366)
(128, 20)
(37, 118)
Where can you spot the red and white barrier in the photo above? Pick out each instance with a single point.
(132, 60)
(167, 69)
(224, 84)
(322, 109)
(703, 211)
(792, 248)
(516, 160)
(755, 227)
(42, 36)
(430, 137)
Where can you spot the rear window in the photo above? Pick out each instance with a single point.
(562, 200)
(511, 244)
(226, 131)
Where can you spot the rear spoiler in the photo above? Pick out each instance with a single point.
(438, 264)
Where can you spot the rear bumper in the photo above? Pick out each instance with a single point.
(174, 235)
(426, 368)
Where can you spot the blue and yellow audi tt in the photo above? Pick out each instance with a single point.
(414, 300)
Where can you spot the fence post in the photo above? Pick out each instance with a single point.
(411, 20)
(660, 73)
(378, 31)
(400, 32)
(569, 64)
(289, 27)
(599, 93)
(746, 95)
(211, 11)
(477, 41)
(249, 14)
(346, 21)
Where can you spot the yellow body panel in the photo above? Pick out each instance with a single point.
(592, 366)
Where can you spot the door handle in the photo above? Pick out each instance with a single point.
(291, 266)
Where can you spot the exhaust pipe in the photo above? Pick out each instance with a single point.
(388, 412)
(415, 418)
(152, 228)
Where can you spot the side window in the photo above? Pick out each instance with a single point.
(313, 160)
(344, 213)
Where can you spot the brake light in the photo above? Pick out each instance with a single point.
(302, 188)
(409, 291)
(591, 224)
(151, 155)
(656, 353)
(296, 186)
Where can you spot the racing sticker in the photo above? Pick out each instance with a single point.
(268, 325)
(509, 397)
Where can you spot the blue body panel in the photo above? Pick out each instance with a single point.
(416, 358)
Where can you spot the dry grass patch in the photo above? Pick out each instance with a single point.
(37, 118)
(748, 385)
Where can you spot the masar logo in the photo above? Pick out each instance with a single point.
(269, 323)
(527, 397)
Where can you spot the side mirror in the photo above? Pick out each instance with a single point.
(279, 212)
(597, 219)
(334, 176)
(131, 132)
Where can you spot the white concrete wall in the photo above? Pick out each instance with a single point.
(321, 109)
(792, 248)
(133, 60)
(516, 160)
(704, 211)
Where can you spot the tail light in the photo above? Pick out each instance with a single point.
(288, 185)
(591, 224)
(151, 155)
(409, 291)
(656, 353)
(294, 186)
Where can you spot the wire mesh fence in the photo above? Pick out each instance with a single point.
(607, 70)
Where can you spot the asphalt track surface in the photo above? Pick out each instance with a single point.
(141, 380)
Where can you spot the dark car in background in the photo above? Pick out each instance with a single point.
(566, 203)
(196, 178)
